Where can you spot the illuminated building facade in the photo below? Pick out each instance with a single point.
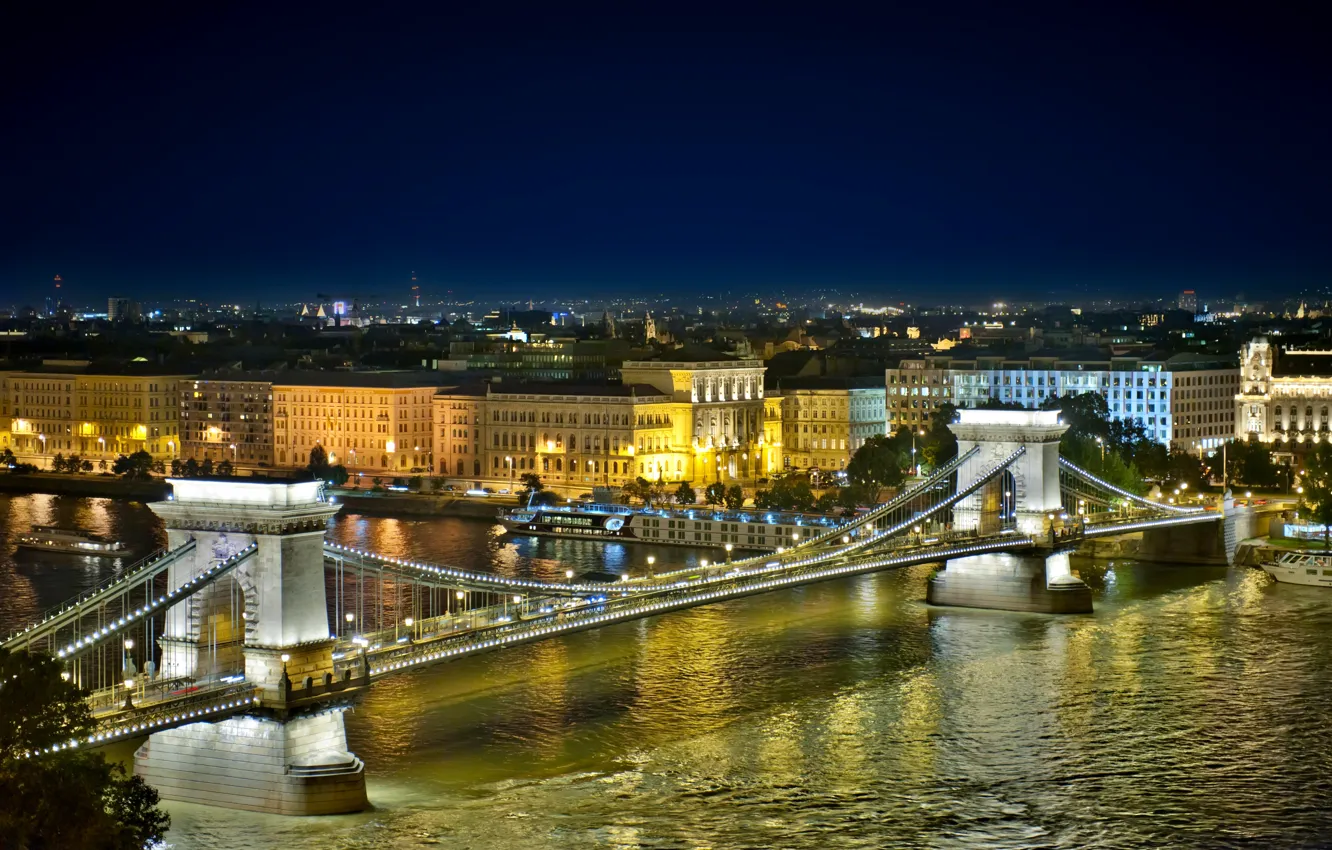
(227, 419)
(1185, 401)
(370, 422)
(1285, 395)
(825, 419)
(723, 398)
(66, 409)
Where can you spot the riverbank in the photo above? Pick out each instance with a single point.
(95, 486)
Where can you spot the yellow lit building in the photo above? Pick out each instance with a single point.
(66, 409)
(371, 422)
(227, 418)
(826, 419)
(574, 437)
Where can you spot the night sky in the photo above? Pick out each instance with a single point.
(944, 156)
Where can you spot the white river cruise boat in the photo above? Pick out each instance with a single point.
(750, 528)
(1302, 568)
(48, 538)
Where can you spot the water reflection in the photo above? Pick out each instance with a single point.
(1190, 710)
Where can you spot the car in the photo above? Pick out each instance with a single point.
(489, 491)
(504, 491)
(450, 488)
(475, 492)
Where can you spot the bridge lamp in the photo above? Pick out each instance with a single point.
(285, 658)
(460, 595)
(795, 535)
(568, 574)
(1248, 494)
(64, 675)
(705, 563)
(351, 618)
(129, 643)
(517, 600)
(129, 694)
(1183, 485)
(408, 622)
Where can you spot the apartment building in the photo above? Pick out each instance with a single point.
(825, 419)
(370, 422)
(225, 417)
(1183, 401)
(96, 412)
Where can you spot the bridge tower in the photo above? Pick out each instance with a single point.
(285, 759)
(1026, 499)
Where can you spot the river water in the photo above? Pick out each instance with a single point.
(1192, 709)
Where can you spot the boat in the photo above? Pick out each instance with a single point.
(749, 528)
(48, 538)
(1314, 570)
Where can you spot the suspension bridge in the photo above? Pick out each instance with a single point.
(235, 650)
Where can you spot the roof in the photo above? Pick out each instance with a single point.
(387, 379)
(1300, 364)
(833, 382)
(688, 353)
(566, 389)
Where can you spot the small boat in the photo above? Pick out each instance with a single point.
(48, 538)
(1301, 568)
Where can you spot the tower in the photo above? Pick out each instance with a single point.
(649, 328)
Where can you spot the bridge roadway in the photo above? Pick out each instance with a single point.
(223, 698)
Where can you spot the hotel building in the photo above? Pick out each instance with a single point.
(1284, 396)
(72, 408)
(1185, 401)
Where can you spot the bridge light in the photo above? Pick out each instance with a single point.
(129, 643)
(460, 594)
(408, 622)
(351, 618)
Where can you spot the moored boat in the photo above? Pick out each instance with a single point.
(48, 538)
(749, 528)
(1313, 570)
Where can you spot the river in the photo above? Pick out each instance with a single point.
(1192, 709)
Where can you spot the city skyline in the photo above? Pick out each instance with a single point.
(1067, 153)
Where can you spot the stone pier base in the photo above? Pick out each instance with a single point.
(1007, 582)
(295, 767)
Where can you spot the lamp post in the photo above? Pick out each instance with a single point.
(652, 559)
(508, 461)
(350, 618)
(411, 634)
(728, 553)
(286, 680)
(128, 674)
(1101, 443)
(233, 453)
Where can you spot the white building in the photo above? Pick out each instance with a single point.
(1285, 394)
(1182, 401)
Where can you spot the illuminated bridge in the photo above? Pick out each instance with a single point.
(235, 651)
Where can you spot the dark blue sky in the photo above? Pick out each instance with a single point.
(938, 155)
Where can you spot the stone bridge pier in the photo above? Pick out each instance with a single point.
(1023, 499)
(280, 759)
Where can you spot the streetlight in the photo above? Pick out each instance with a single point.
(129, 694)
(408, 621)
(350, 618)
(915, 467)
(233, 452)
(568, 575)
(1101, 443)
(509, 462)
(705, 563)
(286, 680)
(728, 553)
(652, 559)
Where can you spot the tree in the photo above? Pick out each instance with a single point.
(58, 463)
(318, 466)
(224, 469)
(939, 444)
(685, 495)
(70, 798)
(7, 457)
(735, 497)
(206, 468)
(177, 468)
(1316, 501)
(827, 503)
(1250, 462)
(337, 475)
(715, 494)
(191, 468)
(876, 464)
(531, 482)
(86, 466)
(134, 467)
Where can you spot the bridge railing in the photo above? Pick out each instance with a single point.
(684, 595)
(115, 627)
(72, 609)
